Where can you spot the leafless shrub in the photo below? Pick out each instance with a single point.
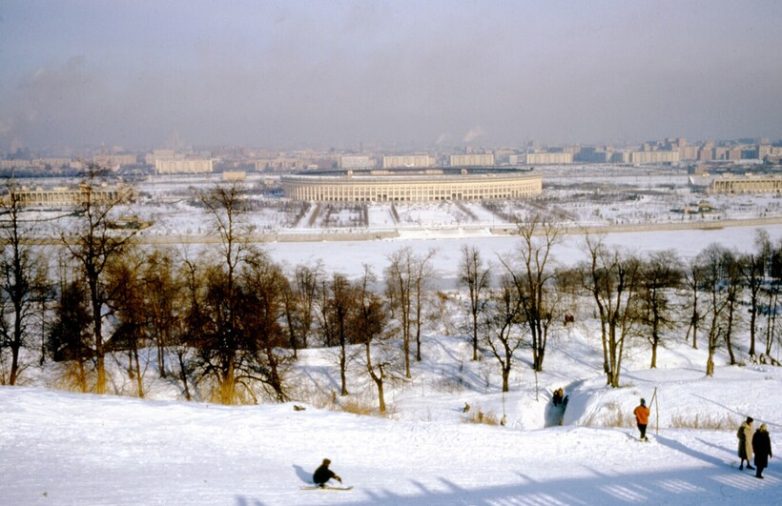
(708, 422)
(485, 418)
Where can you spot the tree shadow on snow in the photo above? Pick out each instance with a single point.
(707, 485)
(247, 501)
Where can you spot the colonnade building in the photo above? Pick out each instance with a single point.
(73, 195)
(412, 186)
(746, 184)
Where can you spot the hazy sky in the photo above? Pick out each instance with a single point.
(138, 73)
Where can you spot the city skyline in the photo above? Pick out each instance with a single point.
(412, 74)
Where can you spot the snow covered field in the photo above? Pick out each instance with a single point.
(73, 449)
(61, 448)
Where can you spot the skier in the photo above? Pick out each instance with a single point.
(745, 443)
(761, 444)
(641, 413)
(324, 474)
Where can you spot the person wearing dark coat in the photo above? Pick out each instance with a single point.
(559, 395)
(324, 474)
(761, 445)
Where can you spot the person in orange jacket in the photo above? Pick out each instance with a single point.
(641, 413)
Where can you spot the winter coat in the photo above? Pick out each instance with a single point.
(323, 474)
(641, 415)
(761, 444)
(745, 441)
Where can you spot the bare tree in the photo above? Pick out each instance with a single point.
(406, 277)
(300, 297)
(502, 320)
(368, 324)
(594, 273)
(127, 305)
(712, 260)
(477, 278)
(693, 280)
(734, 288)
(69, 336)
(772, 289)
(219, 308)
(422, 275)
(399, 285)
(660, 273)
(753, 267)
(97, 241)
(613, 280)
(533, 280)
(164, 297)
(341, 305)
(261, 337)
(22, 272)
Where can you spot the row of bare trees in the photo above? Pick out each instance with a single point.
(233, 319)
(230, 320)
(634, 297)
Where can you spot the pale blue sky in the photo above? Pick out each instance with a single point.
(401, 73)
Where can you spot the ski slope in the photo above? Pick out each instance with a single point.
(74, 449)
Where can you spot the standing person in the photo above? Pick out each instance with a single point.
(324, 474)
(641, 413)
(745, 443)
(761, 444)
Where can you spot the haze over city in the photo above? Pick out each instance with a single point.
(398, 74)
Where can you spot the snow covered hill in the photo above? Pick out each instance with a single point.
(72, 449)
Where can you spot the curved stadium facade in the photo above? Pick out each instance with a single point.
(428, 185)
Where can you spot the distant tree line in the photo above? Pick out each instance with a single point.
(228, 322)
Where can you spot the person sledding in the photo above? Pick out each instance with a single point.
(558, 397)
(323, 474)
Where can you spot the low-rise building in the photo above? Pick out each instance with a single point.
(356, 162)
(74, 195)
(653, 157)
(115, 160)
(548, 158)
(472, 160)
(749, 183)
(184, 166)
(408, 161)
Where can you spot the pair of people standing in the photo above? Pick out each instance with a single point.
(758, 443)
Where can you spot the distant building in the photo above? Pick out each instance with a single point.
(412, 186)
(408, 161)
(548, 158)
(688, 152)
(234, 175)
(356, 162)
(184, 166)
(16, 164)
(746, 184)
(112, 161)
(473, 160)
(55, 163)
(653, 157)
(74, 195)
(592, 154)
(160, 154)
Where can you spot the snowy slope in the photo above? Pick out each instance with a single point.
(64, 448)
